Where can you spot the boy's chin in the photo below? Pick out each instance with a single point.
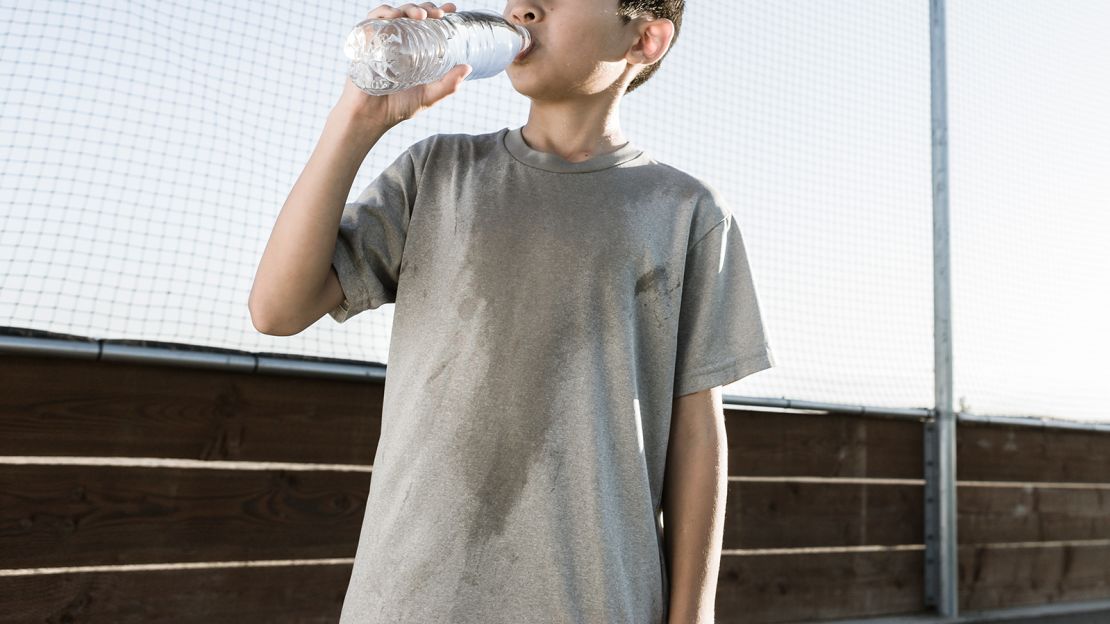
(539, 94)
(530, 83)
(537, 86)
(527, 85)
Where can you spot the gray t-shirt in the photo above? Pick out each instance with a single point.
(547, 313)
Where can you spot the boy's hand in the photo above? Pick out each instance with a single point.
(394, 108)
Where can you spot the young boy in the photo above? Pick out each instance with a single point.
(567, 308)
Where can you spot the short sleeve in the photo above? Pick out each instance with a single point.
(371, 238)
(721, 337)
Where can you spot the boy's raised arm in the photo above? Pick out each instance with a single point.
(290, 290)
(294, 284)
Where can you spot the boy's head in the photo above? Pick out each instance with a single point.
(585, 47)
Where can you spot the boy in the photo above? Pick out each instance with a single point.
(567, 309)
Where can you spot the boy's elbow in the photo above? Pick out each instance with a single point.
(260, 325)
(265, 324)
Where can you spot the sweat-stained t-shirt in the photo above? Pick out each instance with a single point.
(547, 313)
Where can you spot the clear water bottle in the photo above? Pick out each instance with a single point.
(390, 55)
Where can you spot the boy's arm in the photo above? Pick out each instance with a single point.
(293, 285)
(694, 489)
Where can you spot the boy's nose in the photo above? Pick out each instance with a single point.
(524, 14)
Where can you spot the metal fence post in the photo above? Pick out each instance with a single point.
(941, 554)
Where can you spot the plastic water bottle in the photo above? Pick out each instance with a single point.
(395, 54)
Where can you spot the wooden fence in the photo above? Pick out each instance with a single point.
(824, 517)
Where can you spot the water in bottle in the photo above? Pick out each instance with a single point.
(391, 55)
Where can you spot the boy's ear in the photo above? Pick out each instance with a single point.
(654, 41)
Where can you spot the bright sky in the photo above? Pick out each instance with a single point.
(150, 145)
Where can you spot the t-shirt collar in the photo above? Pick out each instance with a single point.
(514, 142)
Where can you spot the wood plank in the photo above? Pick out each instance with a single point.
(55, 516)
(994, 452)
(62, 406)
(754, 589)
(296, 594)
(1031, 514)
(993, 578)
(791, 514)
(763, 443)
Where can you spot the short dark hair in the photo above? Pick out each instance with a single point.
(660, 9)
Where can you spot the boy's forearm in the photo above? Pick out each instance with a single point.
(297, 258)
(695, 486)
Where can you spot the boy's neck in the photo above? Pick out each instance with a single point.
(575, 130)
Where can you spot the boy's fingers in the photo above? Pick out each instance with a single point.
(432, 9)
(383, 11)
(421, 11)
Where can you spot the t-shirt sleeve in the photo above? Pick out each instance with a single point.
(721, 336)
(371, 237)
